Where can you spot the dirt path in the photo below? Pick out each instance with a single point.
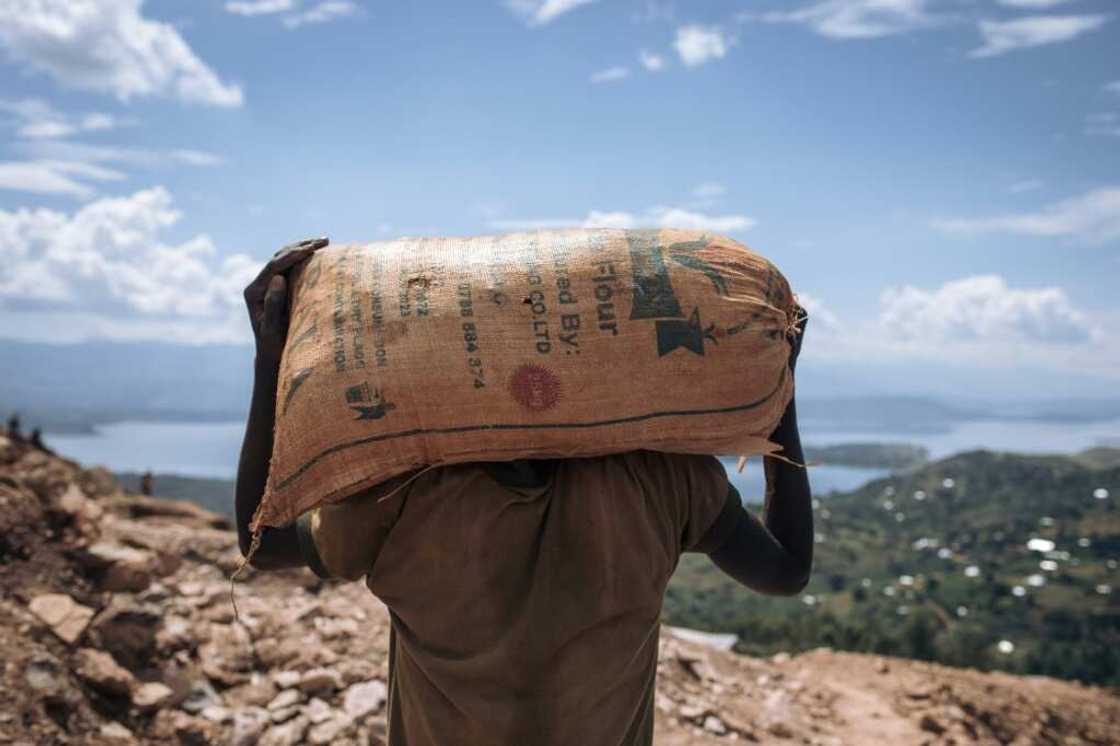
(864, 715)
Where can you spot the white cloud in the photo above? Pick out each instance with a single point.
(64, 150)
(676, 217)
(981, 310)
(855, 19)
(1093, 217)
(259, 7)
(973, 321)
(699, 44)
(54, 177)
(324, 12)
(35, 118)
(99, 121)
(1026, 185)
(1001, 37)
(610, 75)
(540, 12)
(1104, 123)
(196, 157)
(823, 320)
(1033, 4)
(108, 264)
(108, 46)
(652, 62)
(654, 217)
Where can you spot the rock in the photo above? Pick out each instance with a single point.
(200, 696)
(192, 731)
(66, 617)
(713, 724)
(45, 675)
(929, 724)
(285, 714)
(286, 679)
(248, 725)
(779, 729)
(317, 711)
(257, 693)
(780, 658)
(332, 629)
(319, 680)
(356, 670)
(364, 698)
(174, 634)
(216, 713)
(98, 669)
(286, 698)
(116, 733)
(289, 734)
(119, 568)
(98, 482)
(191, 588)
(151, 696)
(227, 657)
(276, 653)
(692, 711)
(329, 731)
(71, 500)
(128, 631)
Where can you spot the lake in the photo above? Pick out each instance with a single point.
(209, 449)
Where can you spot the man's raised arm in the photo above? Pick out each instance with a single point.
(775, 555)
(267, 300)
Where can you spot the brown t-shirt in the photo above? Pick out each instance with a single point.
(525, 615)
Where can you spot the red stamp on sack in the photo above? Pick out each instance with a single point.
(534, 387)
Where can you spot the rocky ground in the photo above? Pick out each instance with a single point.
(116, 627)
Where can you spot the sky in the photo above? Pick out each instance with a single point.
(938, 179)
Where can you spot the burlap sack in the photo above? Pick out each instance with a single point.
(425, 351)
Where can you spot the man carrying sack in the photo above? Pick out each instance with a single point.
(526, 595)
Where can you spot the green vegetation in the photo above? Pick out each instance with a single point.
(934, 564)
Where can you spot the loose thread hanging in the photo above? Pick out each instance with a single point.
(789, 461)
(254, 545)
(407, 482)
(743, 462)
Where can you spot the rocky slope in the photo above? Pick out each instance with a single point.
(116, 627)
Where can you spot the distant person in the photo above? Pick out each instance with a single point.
(14, 428)
(36, 439)
(525, 596)
(146, 481)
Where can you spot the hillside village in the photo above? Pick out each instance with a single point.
(982, 559)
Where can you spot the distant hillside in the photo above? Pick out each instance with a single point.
(869, 455)
(53, 385)
(898, 414)
(939, 564)
(70, 387)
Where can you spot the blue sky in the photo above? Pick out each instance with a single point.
(939, 179)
